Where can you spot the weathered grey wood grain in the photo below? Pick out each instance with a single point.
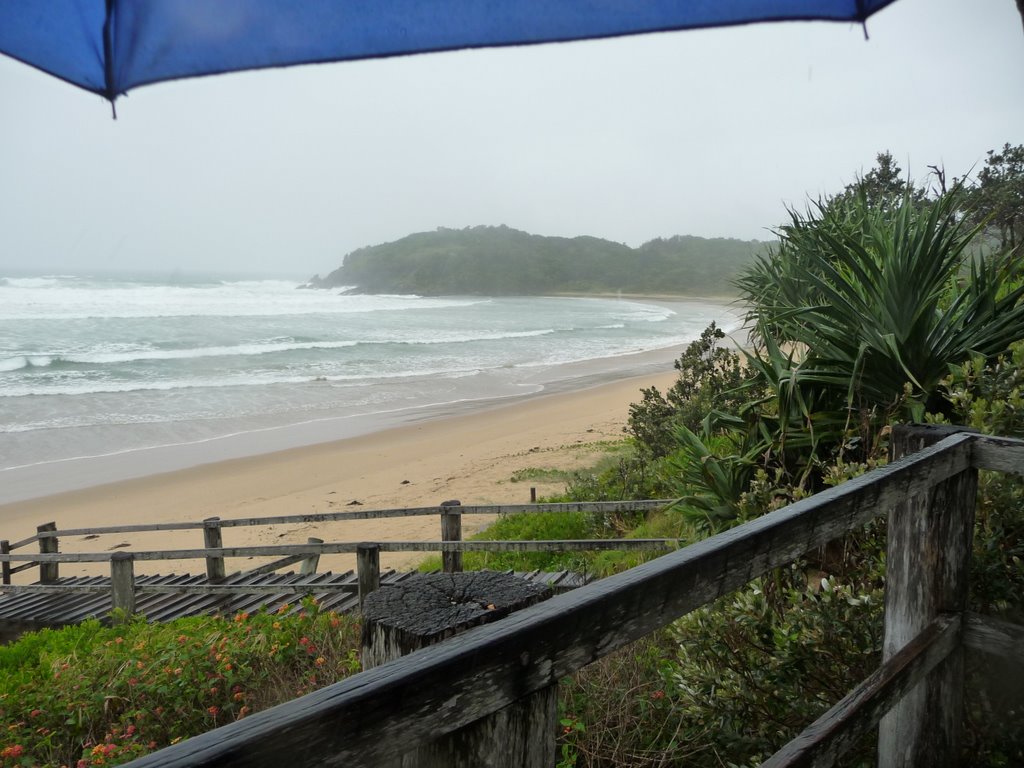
(122, 582)
(276, 565)
(822, 743)
(596, 507)
(451, 530)
(25, 542)
(1001, 454)
(181, 589)
(927, 563)
(380, 713)
(428, 608)
(350, 547)
(48, 570)
(367, 570)
(311, 561)
(212, 540)
(994, 636)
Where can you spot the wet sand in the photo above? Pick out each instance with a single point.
(468, 453)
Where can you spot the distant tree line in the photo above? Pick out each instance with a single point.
(504, 261)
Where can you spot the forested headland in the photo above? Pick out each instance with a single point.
(501, 261)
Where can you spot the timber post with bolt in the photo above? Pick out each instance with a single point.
(48, 572)
(927, 562)
(451, 530)
(367, 570)
(428, 608)
(122, 582)
(311, 562)
(212, 540)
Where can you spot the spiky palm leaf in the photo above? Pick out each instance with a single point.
(879, 300)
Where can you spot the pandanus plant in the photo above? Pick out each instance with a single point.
(879, 303)
(858, 315)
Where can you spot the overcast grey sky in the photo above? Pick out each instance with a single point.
(706, 132)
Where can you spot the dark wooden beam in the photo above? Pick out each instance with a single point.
(383, 712)
(822, 743)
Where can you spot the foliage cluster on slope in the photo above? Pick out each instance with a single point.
(500, 261)
(93, 695)
(872, 310)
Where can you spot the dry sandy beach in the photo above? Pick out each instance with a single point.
(469, 456)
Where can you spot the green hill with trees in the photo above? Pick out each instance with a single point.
(500, 261)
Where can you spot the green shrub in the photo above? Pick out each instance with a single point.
(98, 695)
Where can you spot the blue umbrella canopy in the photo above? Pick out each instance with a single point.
(111, 46)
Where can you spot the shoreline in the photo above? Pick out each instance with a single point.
(61, 459)
(24, 483)
(465, 451)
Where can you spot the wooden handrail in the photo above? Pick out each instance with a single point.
(350, 547)
(385, 711)
(832, 734)
(595, 507)
(381, 713)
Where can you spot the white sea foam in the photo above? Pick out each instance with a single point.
(88, 362)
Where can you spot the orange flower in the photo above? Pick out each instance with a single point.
(14, 750)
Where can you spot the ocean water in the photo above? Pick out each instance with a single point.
(128, 366)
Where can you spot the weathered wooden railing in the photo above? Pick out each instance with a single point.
(122, 564)
(372, 717)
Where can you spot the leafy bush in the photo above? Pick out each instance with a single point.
(102, 695)
(529, 526)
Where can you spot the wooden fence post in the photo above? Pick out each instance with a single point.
(522, 734)
(309, 564)
(122, 582)
(48, 572)
(927, 562)
(5, 549)
(367, 570)
(451, 530)
(212, 540)
(533, 495)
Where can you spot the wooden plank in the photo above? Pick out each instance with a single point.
(927, 563)
(990, 635)
(429, 608)
(368, 570)
(48, 570)
(378, 714)
(311, 562)
(350, 547)
(25, 542)
(451, 530)
(213, 541)
(1000, 454)
(276, 565)
(5, 549)
(596, 507)
(822, 743)
(122, 582)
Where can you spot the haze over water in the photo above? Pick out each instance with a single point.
(158, 374)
